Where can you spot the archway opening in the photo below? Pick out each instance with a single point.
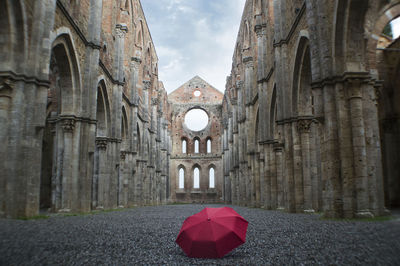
(196, 177)
(181, 178)
(388, 65)
(211, 178)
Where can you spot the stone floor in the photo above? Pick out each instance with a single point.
(146, 236)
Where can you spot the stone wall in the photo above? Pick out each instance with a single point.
(83, 114)
(300, 118)
(195, 94)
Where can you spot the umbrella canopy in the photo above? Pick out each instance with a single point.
(212, 233)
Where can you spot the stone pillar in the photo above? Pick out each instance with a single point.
(304, 128)
(278, 149)
(288, 168)
(273, 175)
(359, 147)
(68, 125)
(100, 184)
(298, 187)
(265, 177)
(122, 181)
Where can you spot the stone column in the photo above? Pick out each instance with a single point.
(332, 192)
(359, 147)
(278, 149)
(273, 176)
(99, 183)
(304, 128)
(68, 125)
(298, 186)
(120, 30)
(266, 177)
(122, 181)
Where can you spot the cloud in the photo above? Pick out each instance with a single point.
(193, 37)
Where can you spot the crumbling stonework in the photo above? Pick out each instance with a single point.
(196, 93)
(83, 115)
(306, 118)
(309, 121)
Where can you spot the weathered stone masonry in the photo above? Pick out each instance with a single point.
(83, 119)
(309, 121)
(196, 94)
(306, 112)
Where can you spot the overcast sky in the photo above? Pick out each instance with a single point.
(197, 37)
(193, 37)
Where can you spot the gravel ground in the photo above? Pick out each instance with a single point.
(147, 236)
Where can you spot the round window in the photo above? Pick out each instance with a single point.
(196, 119)
(197, 93)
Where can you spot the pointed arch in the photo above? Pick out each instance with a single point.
(69, 82)
(103, 115)
(138, 139)
(350, 46)
(181, 176)
(211, 176)
(257, 128)
(184, 145)
(196, 176)
(124, 124)
(209, 145)
(13, 33)
(273, 112)
(196, 143)
(302, 78)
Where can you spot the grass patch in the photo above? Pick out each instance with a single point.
(179, 203)
(94, 212)
(373, 219)
(36, 217)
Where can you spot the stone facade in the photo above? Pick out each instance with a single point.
(83, 114)
(309, 121)
(306, 115)
(196, 94)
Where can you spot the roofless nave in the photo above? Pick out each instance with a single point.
(308, 121)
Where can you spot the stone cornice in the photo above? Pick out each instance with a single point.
(108, 74)
(268, 141)
(267, 78)
(197, 157)
(293, 28)
(12, 76)
(294, 119)
(73, 117)
(345, 77)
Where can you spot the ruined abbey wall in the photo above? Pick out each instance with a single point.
(83, 119)
(196, 94)
(309, 121)
(304, 121)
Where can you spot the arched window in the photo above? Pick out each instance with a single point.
(183, 146)
(211, 178)
(196, 178)
(209, 146)
(181, 178)
(196, 146)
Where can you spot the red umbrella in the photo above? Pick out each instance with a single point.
(212, 233)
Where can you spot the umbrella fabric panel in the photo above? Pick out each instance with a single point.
(212, 233)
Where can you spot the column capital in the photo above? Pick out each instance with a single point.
(136, 61)
(101, 143)
(121, 30)
(147, 84)
(239, 84)
(248, 61)
(68, 124)
(304, 125)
